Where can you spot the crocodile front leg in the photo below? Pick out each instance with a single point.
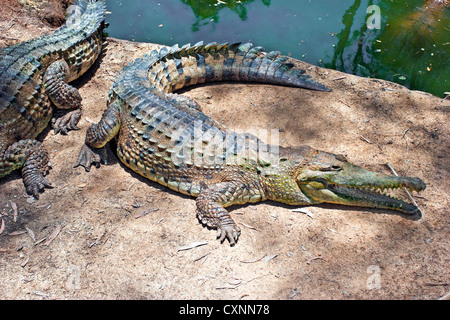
(63, 96)
(30, 155)
(213, 199)
(93, 151)
(211, 212)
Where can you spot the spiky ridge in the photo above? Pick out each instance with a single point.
(240, 62)
(20, 63)
(25, 108)
(170, 69)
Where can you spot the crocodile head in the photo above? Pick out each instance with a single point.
(326, 177)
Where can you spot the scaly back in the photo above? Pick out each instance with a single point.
(22, 66)
(171, 125)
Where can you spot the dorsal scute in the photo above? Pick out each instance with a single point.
(175, 52)
(163, 52)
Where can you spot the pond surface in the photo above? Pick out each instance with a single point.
(405, 41)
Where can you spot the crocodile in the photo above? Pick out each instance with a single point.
(166, 138)
(34, 76)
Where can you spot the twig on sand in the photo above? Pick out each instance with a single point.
(9, 24)
(339, 78)
(192, 245)
(406, 138)
(312, 259)
(365, 139)
(241, 282)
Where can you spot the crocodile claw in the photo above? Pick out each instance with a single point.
(89, 156)
(230, 232)
(34, 180)
(67, 122)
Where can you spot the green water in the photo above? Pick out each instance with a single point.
(410, 46)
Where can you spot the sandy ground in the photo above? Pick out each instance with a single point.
(110, 234)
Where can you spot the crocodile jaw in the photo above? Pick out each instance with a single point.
(363, 196)
(326, 177)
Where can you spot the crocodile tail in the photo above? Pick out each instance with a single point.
(81, 11)
(176, 67)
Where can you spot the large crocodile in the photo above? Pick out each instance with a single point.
(33, 75)
(166, 138)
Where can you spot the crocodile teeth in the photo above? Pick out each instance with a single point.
(373, 196)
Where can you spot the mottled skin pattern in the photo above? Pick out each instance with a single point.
(166, 138)
(33, 76)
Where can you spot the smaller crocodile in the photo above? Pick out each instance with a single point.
(33, 75)
(166, 138)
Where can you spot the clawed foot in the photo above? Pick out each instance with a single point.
(89, 156)
(226, 227)
(34, 179)
(230, 232)
(211, 210)
(67, 122)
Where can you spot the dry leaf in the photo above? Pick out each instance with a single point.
(192, 245)
(270, 257)
(39, 241)
(144, 213)
(31, 234)
(309, 214)
(248, 226)
(24, 263)
(251, 261)
(52, 235)
(17, 233)
(2, 226)
(14, 207)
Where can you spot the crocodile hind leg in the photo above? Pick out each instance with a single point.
(63, 96)
(30, 155)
